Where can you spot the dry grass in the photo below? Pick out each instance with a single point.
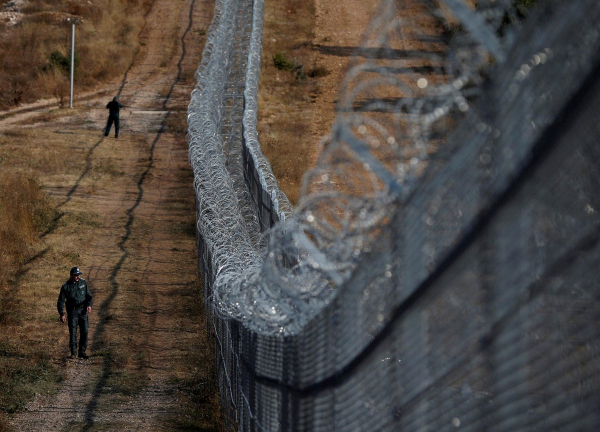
(106, 41)
(32, 270)
(28, 362)
(286, 96)
(24, 371)
(28, 295)
(28, 321)
(25, 361)
(196, 386)
(24, 211)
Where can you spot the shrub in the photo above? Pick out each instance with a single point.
(59, 61)
(24, 211)
(318, 72)
(281, 62)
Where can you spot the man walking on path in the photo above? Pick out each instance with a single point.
(76, 294)
(113, 116)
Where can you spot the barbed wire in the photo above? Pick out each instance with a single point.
(424, 129)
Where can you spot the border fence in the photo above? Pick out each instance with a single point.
(440, 271)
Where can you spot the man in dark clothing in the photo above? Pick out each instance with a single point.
(76, 294)
(113, 116)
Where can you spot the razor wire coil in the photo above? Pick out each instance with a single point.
(393, 299)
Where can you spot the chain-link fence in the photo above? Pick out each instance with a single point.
(450, 282)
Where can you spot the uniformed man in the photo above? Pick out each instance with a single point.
(76, 294)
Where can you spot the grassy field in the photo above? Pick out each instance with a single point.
(106, 41)
(41, 238)
(28, 339)
(25, 367)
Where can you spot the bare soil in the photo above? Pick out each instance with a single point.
(295, 114)
(126, 217)
(339, 30)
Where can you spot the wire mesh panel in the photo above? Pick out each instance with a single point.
(451, 281)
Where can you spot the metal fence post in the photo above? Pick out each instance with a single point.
(75, 21)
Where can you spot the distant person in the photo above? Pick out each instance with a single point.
(113, 116)
(76, 294)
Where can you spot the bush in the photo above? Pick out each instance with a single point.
(59, 61)
(24, 211)
(281, 62)
(318, 72)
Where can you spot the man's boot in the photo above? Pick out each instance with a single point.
(84, 356)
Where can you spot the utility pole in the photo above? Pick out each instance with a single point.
(73, 22)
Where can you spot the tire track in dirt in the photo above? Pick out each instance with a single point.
(136, 256)
(131, 219)
(88, 165)
(88, 159)
(92, 405)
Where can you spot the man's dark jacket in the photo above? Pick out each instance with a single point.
(113, 108)
(76, 295)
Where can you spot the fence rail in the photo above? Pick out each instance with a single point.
(451, 280)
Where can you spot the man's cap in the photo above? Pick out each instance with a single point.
(76, 271)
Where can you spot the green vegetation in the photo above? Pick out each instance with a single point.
(61, 62)
(281, 62)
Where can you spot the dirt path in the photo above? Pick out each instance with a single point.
(133, 202)
(126, 217)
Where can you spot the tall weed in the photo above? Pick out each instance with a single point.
(35, 54)
(24, 212)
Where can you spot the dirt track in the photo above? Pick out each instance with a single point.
(126, 217)
(147, 337)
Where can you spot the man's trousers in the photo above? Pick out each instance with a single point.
(112, 119)
(78, 318)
